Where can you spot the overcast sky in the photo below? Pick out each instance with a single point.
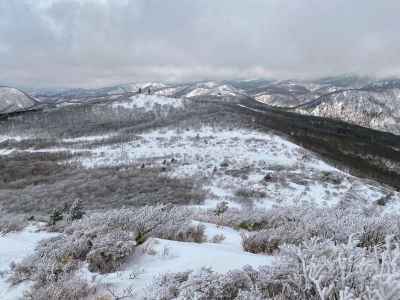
(102, 42)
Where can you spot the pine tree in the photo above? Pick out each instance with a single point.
(76, 211)
(55, 216)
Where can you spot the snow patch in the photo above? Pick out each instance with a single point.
(148, 102)
(160, 256)
(13, 248)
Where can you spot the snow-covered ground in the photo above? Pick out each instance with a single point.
(13, 248)
(17, 138)
(158, 256)
(230, 160)
(87, 139)
(148, 102)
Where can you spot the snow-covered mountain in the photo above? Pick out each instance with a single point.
(14, 100)
(181, 90)
(362, 101)
(373, 104)
(211, 88)
(374, 109)
(200, 89)
(82, 95)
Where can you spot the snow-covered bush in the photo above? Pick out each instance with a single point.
(104, 240)
(12, 223)
(189, 233)
(219, 211)
(248, 219)
(315, 270)
(65, 289)
(249, 193)
(218, 238)
(201, 285)
(325, 270)
(260, 243)
(111, 251)
(97, 188)
(295, 225)
(331, 177)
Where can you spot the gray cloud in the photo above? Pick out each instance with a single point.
(100, 42)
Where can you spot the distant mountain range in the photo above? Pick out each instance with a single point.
(372, 104)
(366, 102)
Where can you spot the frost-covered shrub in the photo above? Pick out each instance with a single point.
(108, 254)
(315, 270)
(12, 223)
(189, 233)
(167, 286)
(66, 289)
(218, 238)
(253, 294)
(221, 208)
(104, 241)
(322, 270)
(248, 219)
(201, 285)
(260, 243)
(219, 211)
(99, 188)
(249, 193)
(331, 177)
(295, 225)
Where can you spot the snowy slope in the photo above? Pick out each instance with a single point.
(211, 89)
(374, 105)
(148, 102)
(377, 110)
(158, 256)
(13, 248)
(230, 161)
(13, 100)
(296, 172)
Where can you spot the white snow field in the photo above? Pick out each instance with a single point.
(13, 248)
(148, 102)
(158, 256)
(230, 160)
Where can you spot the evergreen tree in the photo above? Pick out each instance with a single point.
(76, 211)
(55, 216)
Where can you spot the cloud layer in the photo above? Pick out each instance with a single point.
(101, 42)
